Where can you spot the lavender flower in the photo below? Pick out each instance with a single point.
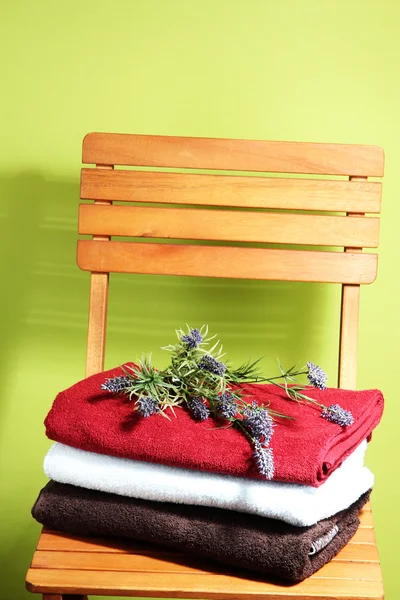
(264, 458)
(316, 376)
(259, 424)
(336, 414)
(192, 339)
(147, 406)
(209, 363)
(226, 406)
(248, 410)
(198, 409)
(115, 385)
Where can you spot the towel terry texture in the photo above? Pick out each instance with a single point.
(85, 416)
(299, 505)
(237, 539)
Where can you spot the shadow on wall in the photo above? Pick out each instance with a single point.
(42, 346)
(46, 293)
(294, 322)
(43, 289)
(44, 315)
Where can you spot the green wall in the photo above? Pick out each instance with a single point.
(312, 71)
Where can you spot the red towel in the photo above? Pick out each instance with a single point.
(306, 450)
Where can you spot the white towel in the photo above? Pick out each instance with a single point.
(299, 505)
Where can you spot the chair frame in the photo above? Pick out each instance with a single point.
(66, 567)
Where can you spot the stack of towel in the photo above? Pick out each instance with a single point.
(193, 486)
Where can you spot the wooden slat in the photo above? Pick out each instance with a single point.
(182, 565)
(366, 519)
(119, 562)
(211, 261)
(225, 190)
(364, 535)
(228, 154)
(358, 553)
(195, 224)
(57, 541)
(221, 587)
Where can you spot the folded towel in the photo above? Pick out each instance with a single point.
(87, 417)
(233, 538)
(299, 505)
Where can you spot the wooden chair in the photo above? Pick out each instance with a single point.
(65, 565)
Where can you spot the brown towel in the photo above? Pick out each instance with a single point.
(248, 541)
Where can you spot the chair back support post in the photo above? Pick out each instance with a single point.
(349, 318)
(98, 304)
(347, 375)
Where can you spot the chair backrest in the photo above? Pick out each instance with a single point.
(245, 206)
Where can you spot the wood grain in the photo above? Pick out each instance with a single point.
(349, 337)
(366, 519)
(240, 226)
(230, 262)
(97, 325)
(183, 565)
(204, 585)
(225, 190)
(349, 320)
(98, 303)
(229, 154)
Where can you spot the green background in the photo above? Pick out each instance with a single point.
(286, 70)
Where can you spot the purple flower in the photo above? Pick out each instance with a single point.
(198, 409)
(147, 406)
(264, 458)
(259, 424)
(226, 406)
(336, 414)
(209, 363)
(316, 376)
(192, 339)
(115, 385)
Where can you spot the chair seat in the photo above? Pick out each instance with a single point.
(67, 564)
